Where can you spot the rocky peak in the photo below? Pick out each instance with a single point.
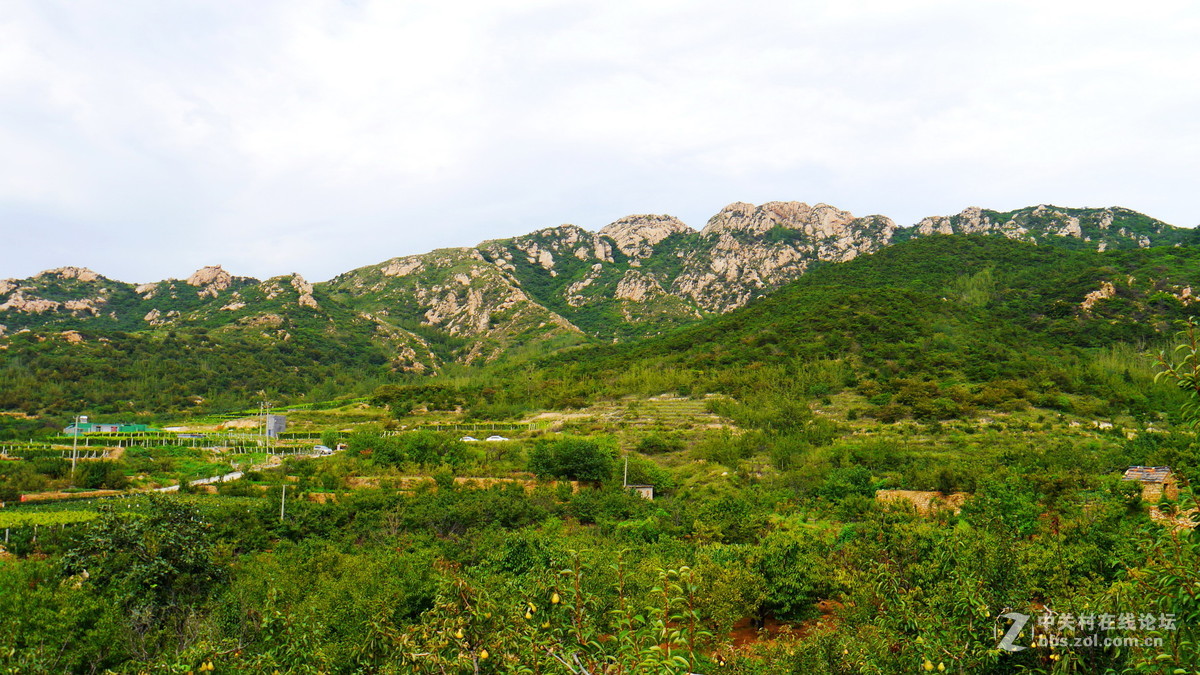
(730, 217)
(211, 280)
(565, 233)
(546, 246)
(757, 248)
(402, 267)
(1105, 228)
(636, 236)
(305, 290)
(278, 286)
(820, 221)
(80, 273)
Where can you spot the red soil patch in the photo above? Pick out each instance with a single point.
(746, 635)
(924, 502)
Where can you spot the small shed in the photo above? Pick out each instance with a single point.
(276, 424)
(1157, 482)
(643, 491)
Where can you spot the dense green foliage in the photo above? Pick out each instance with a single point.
(966, 365)
(573, 458)
(374, 579)
(198, 371)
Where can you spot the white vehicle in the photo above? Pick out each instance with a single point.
(496, 438)
(469, 439)
(322, 450)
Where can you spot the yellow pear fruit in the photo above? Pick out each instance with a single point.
(928, 665)
(554, 599)
(483, 654)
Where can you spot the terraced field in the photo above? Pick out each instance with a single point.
(658, 413)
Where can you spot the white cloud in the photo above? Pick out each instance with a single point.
(317, 135)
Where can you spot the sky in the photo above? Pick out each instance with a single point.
(145, 139)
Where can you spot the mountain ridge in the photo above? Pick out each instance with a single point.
(639, 276)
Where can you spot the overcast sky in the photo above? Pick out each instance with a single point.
(147, 138)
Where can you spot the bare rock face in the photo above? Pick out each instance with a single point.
(1099, 226)
(638, 286)
(973, 220)
(574, 292)
(18, 302)
(280, 287)
(23, 296)
(757, 248)
(80, 273)
(546, 247)
(305, 290)
(456, 291)
(402, 267)
(82, 306)
(211, 280)
(464, 307)
(1107, 290)
(157, 318)
(820, 221)
(411, 353)
(636, 236)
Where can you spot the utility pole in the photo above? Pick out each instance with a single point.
(75, 444)
(282, 500)
(266, 409)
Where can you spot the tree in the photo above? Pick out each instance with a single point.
(573, 458)
(152, 559)
(1186, 373)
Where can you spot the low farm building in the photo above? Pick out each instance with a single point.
(1157, 482)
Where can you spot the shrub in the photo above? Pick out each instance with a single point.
(657, 445)
(572, 458)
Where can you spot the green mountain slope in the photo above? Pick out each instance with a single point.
(759, 285)
(962, 314)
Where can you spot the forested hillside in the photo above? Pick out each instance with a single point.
(639, 277)
(869, 470)
(959, 310)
